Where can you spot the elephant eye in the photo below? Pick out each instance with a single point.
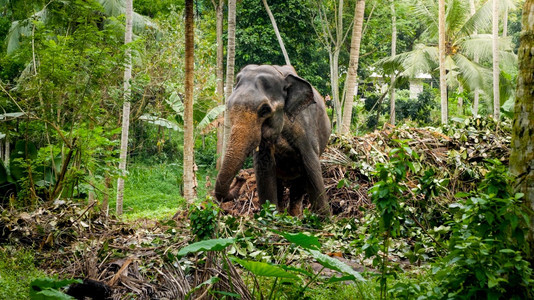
(264, 110)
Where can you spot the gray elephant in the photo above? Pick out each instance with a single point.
(281, 119)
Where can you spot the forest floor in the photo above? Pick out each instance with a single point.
(138, 257)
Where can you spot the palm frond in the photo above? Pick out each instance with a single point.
(455, 16)
(479, 45)
(426, 11)
(22, 28)
(479, 22)
(423, 59)
(473, 74)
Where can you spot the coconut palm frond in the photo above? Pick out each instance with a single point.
(427, 12)
(423, 59)
(113, 7)
(116, 8)
(508, 61)
(473, 74)
(479, 22)
(455, 16)
(479, 45)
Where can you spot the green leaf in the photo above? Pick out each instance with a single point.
(301, 239)
(335, 264)
(206, 245)
(264, 269)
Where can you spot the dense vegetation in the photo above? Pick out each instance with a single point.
(425, 210)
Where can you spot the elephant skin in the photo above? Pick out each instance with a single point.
(281, 119)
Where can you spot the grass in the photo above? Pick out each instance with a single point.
(154, 191)
(17, 270)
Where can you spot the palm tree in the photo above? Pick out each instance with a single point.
(442, 71)
(352, 75)
(495, 51)
(220, 74)
(189, 173)
(393, 52)
(230, 65)
(125, 107)
(462, 46)
(522, 155)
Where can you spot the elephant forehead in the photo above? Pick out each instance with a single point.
(243, 115)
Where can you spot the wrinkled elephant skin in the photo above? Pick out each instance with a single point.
(281, 119)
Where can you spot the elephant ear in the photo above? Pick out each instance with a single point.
(299, 96)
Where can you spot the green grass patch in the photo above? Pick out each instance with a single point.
(17, 270)
(154, 191)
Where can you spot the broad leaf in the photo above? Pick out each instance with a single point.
(335, 264)
(207, 245)
(264, 269)
(301, 239)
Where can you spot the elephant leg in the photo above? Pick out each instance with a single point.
(265, 169)
(282, 204)
(296, 193)
(315, 184)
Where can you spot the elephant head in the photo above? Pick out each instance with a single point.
(264, 98)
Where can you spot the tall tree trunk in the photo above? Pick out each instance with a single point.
(476, 96)
(125, 107)
(189, 160)
(352, 75)
(442, 71)
(522, 154)
(393, 53)
(496, 71)
(277, 32)
(505, 22)
(220, 75)
(230, 65)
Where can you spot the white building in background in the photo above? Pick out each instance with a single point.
(416, 83)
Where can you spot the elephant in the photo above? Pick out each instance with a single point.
(281, 119)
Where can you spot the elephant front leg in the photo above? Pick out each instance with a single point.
(315, 186)
(265, 169)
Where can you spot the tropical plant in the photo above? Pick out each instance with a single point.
(465, 44)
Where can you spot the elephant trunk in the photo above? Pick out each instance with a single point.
(242, 141)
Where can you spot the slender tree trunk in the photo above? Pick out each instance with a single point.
(352, 76)
(189, 160)
(496, 70)
(476, 95)
(442, 71)
(393, 53)
(230, 65)
(334, 80)
(505, 22)
(220, 75)
(522, 145)
(277, 32)
(125, 107)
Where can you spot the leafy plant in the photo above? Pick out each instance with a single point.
(50, 289)
(487, 243)
(203, 219)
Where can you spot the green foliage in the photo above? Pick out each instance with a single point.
(206, 245)
(387, 195)
(17, 270)
(417, 110)
(50, 289)
(487, 244)
(203, 217)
